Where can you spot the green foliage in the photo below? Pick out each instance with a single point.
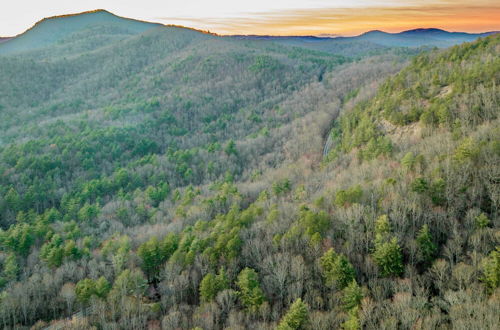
(433, 90)
(349, 196)
(71, 250)
(297, 316)
(157, 194)
(10, 268)
(19, 238)
(72, 230)
(282, 187)
(52, 215)
(438, 192)
(87, 288)
(419, 185)
(56, 249)
(436, 189)
(314, 222)
(352, 296)
(220, 242)
(251, 294)
(408, 161)
(337, 270)
(154, 254)
(382, 227)
(52, 252)
(358, 130)
(169, 245)
(102, 287)
(212, 284)
(491, 270)
(209, 287)
(466, 151)
(352, 322)
(13, 200)
(388, 257)
(426, 247)
(265, 64)
(310, 225)
(429, 117)
(273, 215)
(230, 148)
(375, 147)
(88, 212)
(481, 221)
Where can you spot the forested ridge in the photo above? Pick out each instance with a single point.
(182, 183)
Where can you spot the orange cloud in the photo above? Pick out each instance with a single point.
(453, 16)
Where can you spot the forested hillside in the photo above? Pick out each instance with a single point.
(172, 179)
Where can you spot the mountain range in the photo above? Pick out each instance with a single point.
(53, 30)
(411, 38)
(420, 37)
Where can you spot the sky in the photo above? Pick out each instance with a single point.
(272, 17)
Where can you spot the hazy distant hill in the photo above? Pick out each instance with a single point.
(339, 46)
(50, 31)
(374, 41)
(419, 37)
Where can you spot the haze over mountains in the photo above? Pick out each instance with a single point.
(420, 37)
(50, 31)
(411, 38)
(159, 177)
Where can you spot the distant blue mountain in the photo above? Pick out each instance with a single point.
(418, 38)
(375, 39)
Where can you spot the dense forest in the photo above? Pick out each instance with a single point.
(173, 179)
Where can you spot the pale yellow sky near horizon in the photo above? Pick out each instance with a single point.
(276, 17)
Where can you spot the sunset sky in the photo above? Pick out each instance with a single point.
(275, 17)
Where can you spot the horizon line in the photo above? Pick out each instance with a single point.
(324, 35)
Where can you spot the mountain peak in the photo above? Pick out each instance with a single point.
(372, 32)
(425, 30)
(96, 12)
(53, 29)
